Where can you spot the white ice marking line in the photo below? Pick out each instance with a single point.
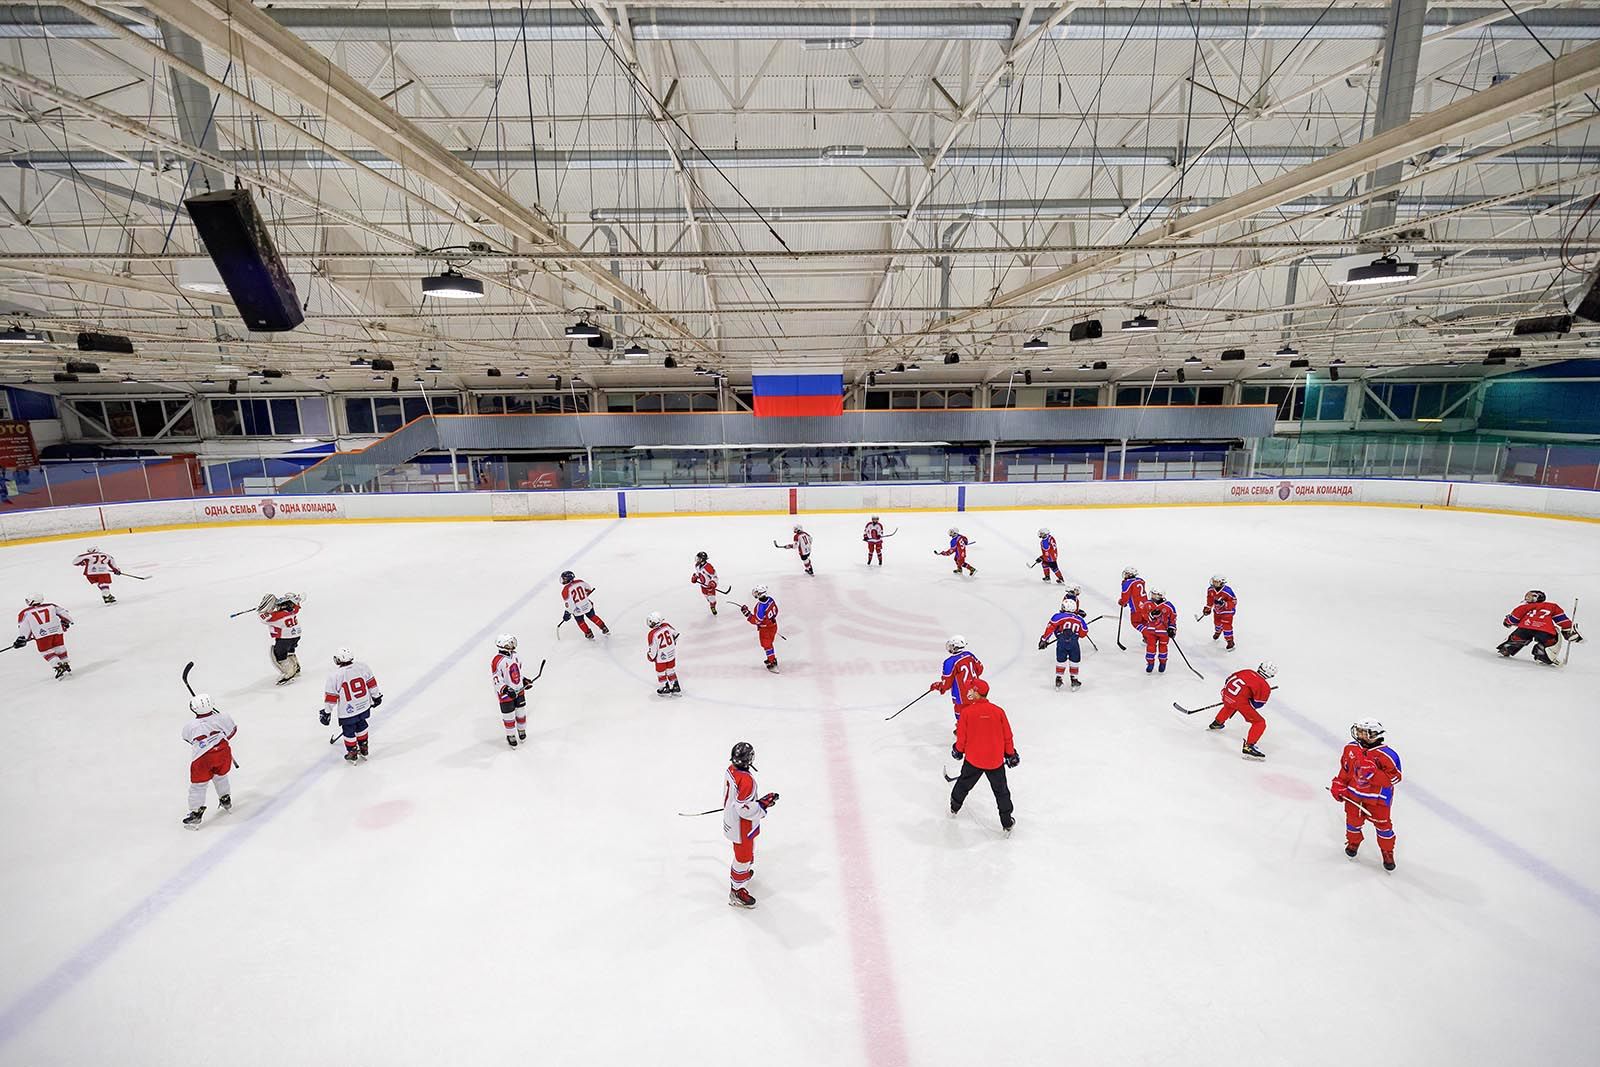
(39, 997)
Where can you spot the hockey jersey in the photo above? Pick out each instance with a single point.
(705, 576)
(350, 690)
(765, 613)
(1369, 774)
(873, 532)
(1067, 624)
(1047, 548)
(1545, 617)
(662, 643)
(802, 543)
(575, 594)
(284, 622)
(42, 620)
(1222, 601)
(741, 814)
(1156, 616)
(1132, 593)
(96, 563)
(506, 671)
(207, 732)
(960, 671)
(1246, 685)
(958, 547)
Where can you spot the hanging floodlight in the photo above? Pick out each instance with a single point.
(16, 335)
(1287, 352)
(1385, 270)
(1140, 321)
(582, 330)
(1192, 359)
(1038, 344)
(451, 284)
(636, 349)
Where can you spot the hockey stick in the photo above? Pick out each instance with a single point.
(536, 677)
(1355, 803)
(776, 545)
(246, 611)
(1194, 711)
(559, 625)
(143, 578)
(1566, 652)
(1186, 662)
(697, 814)
(726, 591)
(896, 530)
(925, 692)
(1035, 560)
(1119, 628)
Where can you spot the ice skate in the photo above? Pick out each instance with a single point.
(741, 898)
(192, 820)
(1229, 647)
(62, 670)
(588, 635)
(1216, 635)
(225, 802)
(1058, 681)
(351, 756)
(772, 665)
(677, 690)
(108, 598)
(1076, 684)
(1162, 668)
(1388, 861)
(512, 741)
(1350, 850)
(1149, 668)
(1214, 725)
(522, 735)
(665, 690)
(1008, 825)
(361, 747)
(1249, 751)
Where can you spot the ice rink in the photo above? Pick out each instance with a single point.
(453, 901)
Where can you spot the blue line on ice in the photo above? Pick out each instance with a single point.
(22, 1012)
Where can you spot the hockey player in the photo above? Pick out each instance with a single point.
(985, 748)
(705, 576)
(742, 812)
(46, 625)
(1158, 621)
(959, 674)
(1368, 771)
(1047, 557)
(575, 594)
(510, 688)
(873, 536)
(281, 614)
(98, 569)
(662, 648)
(1064, 628)
(802, 545)
(352, 691)
(764, 617)
(1537, 620)
(1070, 595)
(1246, 692)
(1132, 597)
(958, 549)
(1220, 605)
(210, 758)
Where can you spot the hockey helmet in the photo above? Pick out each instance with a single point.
(292, 598)
(743, 754)
(759, 592)
(1158, 596)
(200, 704)
(701, 557)
(1070, 601)
(956, 643)
(506, 643)
(1533, 596)
(798, 528)
(874, 518)
(343, 657)
(567, 576)
(954, 532)
(654, 619)
(34, 598)
(1219, 579)
(1367, 732)
(1044, 531)
(1130, 572)
(1267, 669)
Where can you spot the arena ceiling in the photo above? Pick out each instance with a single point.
(741, 185)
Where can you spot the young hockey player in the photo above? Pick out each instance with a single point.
(764, 617)
(958, 549)
(98, 569)
(1220, 605)
(802, 545)
(742, 812)
(1132, 597)
(662, 648)
(985, 748)
(705, 576)
(46, 625)
(575, 594)
(1064, 628)
(1368, 771)
(1538, 620)
(959, 673)
(210, 757)
(281, 614)
(1158, 621)
(1245, 693)
(1047, 560)
(352, 691)
(873, 536)
(510, 688)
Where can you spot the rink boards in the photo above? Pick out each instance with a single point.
(1575, 504)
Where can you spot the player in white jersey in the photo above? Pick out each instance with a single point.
(210, 757)
(282, 617)
(873, 536)
(352, 691)
(662, 648)
(705, 576)
(98, 569)
(510, 688)
(802, 545)
(575, 594)
(46, 625)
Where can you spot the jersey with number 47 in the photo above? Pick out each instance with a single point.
(350, 690)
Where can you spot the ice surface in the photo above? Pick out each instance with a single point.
(456, 902)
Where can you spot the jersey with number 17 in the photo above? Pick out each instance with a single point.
(350, 689)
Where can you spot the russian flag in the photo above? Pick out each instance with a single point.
(780, 393)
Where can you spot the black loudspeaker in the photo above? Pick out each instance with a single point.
(1087, 330)
(233, 385)
(602, 342)
(1589, 306)
(105, 342)
(236, 236)
(1333, 372)
(1230, 354)
(1545, 324)
(378, 363)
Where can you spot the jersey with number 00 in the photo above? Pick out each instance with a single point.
(662, 643)
(506, 670)
(351, 689)
(41, 620)
(208, 731)
(576, 594)
(95, 563)
(1065, 622)
(960, 672)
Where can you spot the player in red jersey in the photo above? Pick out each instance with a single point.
(46, 625)
(662, 645)
(1064, 628)
(575, 594)
(1245, 693)
(1538, 620)
(764, 617)
(1047, 560)
(1158, 621)
(802, 545)
(210, 758)
(510, 688)
(98, 569)
(958, 549)
(1368, 771)
(873, 536)
(742, 812)
(705, 576)
(281, 615)
(959, 673)
(1132, 597)
(1220, 605)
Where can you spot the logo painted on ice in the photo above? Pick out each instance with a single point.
(1283, 491)
(269, 509)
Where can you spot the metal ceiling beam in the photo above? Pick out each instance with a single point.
(1397, 88)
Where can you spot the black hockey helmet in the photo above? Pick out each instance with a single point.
(1533, 596)
(701, 557)
(567, 576)
(743, 754)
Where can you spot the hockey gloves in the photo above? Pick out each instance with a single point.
(1337, 789)
(1172, 631)
(1013, 759)
(566, 616)
(1573, 636)
(377, 701)
(955, 753)
(767, 801)
(325, 716)
(19, 642)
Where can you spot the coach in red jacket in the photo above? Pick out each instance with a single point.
(983, 744)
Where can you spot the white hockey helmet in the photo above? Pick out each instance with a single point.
(1158, 596)
(654, 619)
(298, 598)
(506, 643)
(874, 518)
(1130, 572)
(343, 657)
(1267, 669)
(1069, 602)
(956, 643)
(34, 598)
(798, 528)
(1219, 579)
(1044, 531)
(954, 532)
(1367, 732)
(759, 592)
(200, 704)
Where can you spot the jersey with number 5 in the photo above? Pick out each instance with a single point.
(1246, 685)
(350, 690)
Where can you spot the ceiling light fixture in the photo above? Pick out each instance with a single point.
(1192, 359)
(1385, 270)
(1038, 344)
(1140, 321)
(451, 284)
(636, 349)
(828, 44)
(582, 331)
(16, 335)
(1287, 351)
